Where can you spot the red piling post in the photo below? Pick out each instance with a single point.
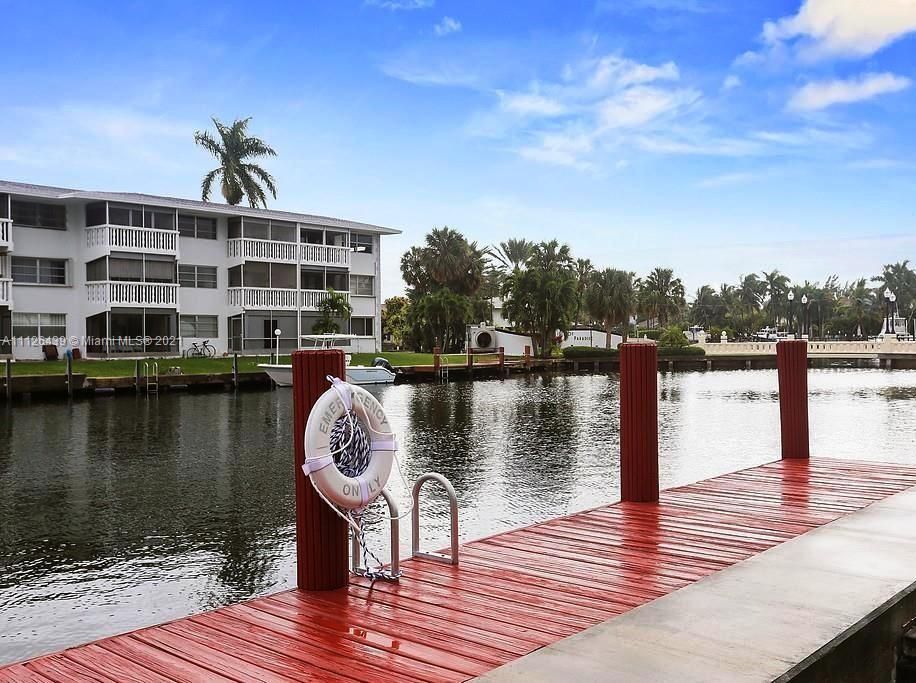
(527, 356)
(321, 536)
(436, 360)
(792, 368)
(639, 423)
(502, 357)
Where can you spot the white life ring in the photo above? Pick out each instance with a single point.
(351, 493)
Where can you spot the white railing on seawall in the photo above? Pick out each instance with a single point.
(815, 348)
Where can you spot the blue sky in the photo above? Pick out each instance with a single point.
(717, 137)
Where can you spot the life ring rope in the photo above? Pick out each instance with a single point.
(380, 443)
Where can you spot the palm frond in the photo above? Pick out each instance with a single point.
(264, 176)
(207, 184)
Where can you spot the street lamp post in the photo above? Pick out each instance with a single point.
(804, 301)
(893, 313)
(791, 297)
(887, 315)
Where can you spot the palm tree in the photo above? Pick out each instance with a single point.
(611, 298)
(584, 270)
(705, 305)
(661, 295)
(858, 301)
(540, 298)
(751, 292)
(777, 286)
(332, 308)
(239, 177)
(512, 253)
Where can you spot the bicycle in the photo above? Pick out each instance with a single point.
(203, 349)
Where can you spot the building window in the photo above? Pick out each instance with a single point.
(362, 285)
(37, 215)
(201, 326)
(39, 271)
(141, 268)
(362, 327)
(361, 243)
(129, 216)
(200, 227)
(43, 325)
(202, 277)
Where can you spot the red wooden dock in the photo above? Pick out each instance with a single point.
(513, 592)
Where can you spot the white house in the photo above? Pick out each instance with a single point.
(118, 274)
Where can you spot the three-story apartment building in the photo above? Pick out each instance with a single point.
(131, 274)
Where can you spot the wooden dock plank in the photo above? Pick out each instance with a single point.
(513, 592)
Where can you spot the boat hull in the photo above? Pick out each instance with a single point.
(282, 375)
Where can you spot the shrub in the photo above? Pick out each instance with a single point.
(673, 337)
(572, 352)
(651, 334)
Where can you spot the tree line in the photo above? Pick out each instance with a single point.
(452, 282)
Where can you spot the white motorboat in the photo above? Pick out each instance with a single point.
(282, 373)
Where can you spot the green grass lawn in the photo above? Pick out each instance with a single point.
(193, 366)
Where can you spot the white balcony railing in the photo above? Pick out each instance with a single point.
(276, 299)
(133, 294)
(6, 234)
(325, 255)
(6, 292)
(122, 238)
(244, 248)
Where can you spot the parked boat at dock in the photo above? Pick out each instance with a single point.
(282, 373)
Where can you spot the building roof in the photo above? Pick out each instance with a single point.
(49, 192)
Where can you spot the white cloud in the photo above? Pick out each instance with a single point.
(822, 94)
(530, 104)
(563, 149)
(396, 5)
(731, 82)
(638, 106)
(698, 143)
(615, 71)
(843, 28)
(446, 26)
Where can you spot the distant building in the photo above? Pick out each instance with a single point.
(126, 274)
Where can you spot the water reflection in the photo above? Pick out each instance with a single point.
(121, 512)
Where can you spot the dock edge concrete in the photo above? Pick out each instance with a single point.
(829, 605)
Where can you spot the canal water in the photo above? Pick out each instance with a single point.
(121, 512)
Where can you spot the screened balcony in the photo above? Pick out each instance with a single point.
(132, 280)
(283, 242)
(120, 227)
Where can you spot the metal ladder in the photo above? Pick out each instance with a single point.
(359, 569)
(452, 557)
(443, 368)
(152, 380)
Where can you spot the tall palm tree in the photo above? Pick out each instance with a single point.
(777, 286)
(661, 295)
(611, 298)
(512, 253)
(584, 270)
(705, 305)
(239, 177)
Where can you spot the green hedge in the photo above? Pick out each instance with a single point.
(588, 352)
(681, 351)
(653, 334)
